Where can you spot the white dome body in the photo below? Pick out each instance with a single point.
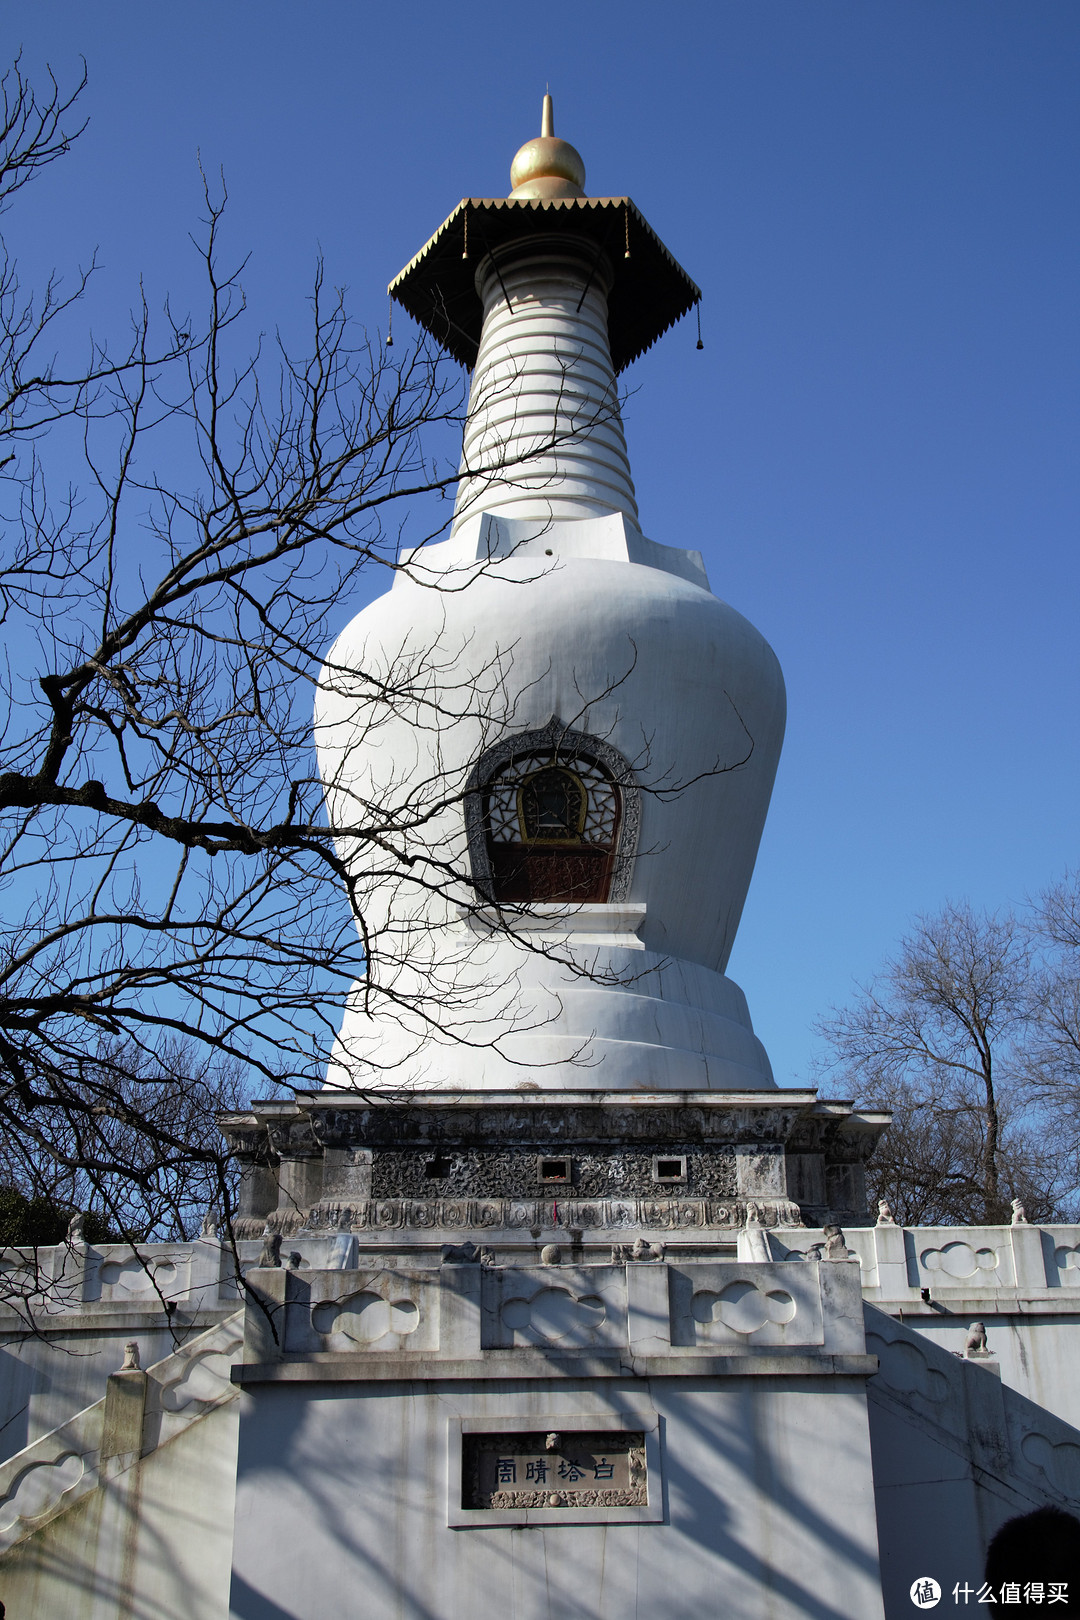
(572, 706)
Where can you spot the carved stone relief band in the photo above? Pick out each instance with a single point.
(519, 1215)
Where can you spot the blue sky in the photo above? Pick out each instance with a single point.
(877, 450)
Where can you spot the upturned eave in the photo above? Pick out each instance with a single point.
(650, 289)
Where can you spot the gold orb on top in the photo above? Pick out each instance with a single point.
(546, 166)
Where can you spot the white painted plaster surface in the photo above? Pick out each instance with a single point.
(356, 1478)
(766, 1477)
(632, 653)
(956, 1453)
(349, 1460)
(549, 601)
(155, 1543)
(1020, 1281)
(98, 1299)
(1037, 1353)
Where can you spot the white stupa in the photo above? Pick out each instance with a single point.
(578, 758)
(551, 1314)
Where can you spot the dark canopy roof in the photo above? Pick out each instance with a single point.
(651, 290)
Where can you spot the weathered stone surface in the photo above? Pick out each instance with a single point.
(431, 1163)
(514, 1171)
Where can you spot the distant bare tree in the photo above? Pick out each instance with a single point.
(944, 1037)
(1053, 1061)
(926, 1164)
(136, 1141)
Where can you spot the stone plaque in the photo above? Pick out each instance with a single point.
(571, 1470)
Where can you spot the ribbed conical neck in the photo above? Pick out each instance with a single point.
(544, 437)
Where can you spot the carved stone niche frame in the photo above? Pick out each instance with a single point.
(568, 745)
(643, 1421)
(669, 1169)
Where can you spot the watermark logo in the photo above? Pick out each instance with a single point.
(925, 1593)
(1024, 1593)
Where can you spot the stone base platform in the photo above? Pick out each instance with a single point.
(525, 1167)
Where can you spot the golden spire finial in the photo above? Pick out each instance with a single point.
(546, 166)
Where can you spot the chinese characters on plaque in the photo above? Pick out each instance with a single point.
(603, 1469)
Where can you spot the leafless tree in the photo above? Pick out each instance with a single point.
(146, 1127)
(944, 1037)
(1052, 1072)
(176, 911)
(925, 1166)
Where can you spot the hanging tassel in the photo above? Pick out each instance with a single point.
(390, 325)
(626, 222)
(465, 249)
(699, 342)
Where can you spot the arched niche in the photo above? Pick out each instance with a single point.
(552, 816)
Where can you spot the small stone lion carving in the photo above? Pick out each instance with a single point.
(270, 1254)
(975, 1344)
(834, 1246)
